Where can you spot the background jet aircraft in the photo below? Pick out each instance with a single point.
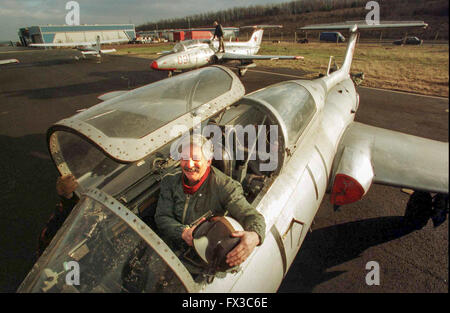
(86, 48)
(119, 150)
(192, 54)
(7, 61)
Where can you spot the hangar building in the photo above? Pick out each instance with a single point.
(75, 33)
(169, 34)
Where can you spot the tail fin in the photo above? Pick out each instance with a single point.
(256, 38)
(354, 27)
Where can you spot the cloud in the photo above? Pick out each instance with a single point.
(42, 15)
(16, 14)
(28, 8)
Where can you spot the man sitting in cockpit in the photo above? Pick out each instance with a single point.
(187, 195)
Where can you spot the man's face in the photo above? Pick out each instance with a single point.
(193, 163)
(215, 23)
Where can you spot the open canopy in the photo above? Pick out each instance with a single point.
(190, 44)
(133, 125)
(103, 247)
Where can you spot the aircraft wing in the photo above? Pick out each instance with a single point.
(94, 52)
(62, 44)
(262, 26)
(363, 25)
(403, 160)
(113, 41)
(234, 56)
(7, 61)
(108, 50)
(76, 44)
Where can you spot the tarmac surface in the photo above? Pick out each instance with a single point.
(47, 86)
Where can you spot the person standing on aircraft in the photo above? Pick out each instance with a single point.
(65, 187)
(219, 34)
(187, 195)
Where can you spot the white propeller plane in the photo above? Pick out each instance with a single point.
(190, 54)
(119, 150)
(86, 48)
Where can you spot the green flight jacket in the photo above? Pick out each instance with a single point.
(218, 193)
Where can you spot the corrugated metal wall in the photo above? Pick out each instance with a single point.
(81, 33)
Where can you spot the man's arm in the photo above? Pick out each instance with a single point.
(252, 221)
(235, 202)
(165, 219)
(65, 187)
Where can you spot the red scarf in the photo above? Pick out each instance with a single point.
(193, 189)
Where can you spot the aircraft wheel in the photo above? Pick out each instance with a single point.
(418, 209)
(242, 71)
(440, 209)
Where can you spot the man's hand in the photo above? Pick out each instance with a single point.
(66, 185)
(187, 233)
(249, 240)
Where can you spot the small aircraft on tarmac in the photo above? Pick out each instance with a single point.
(119, 150)
(86, 48)
(8, 61)
(190, 54)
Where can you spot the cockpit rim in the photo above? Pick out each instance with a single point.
(146, 233)
(129, 150)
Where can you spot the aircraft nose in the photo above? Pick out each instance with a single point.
(154, 65)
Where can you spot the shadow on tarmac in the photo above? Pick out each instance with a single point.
(116, 80)
(330, 246)
(27, 178)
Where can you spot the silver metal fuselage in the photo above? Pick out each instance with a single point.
(292, 201)
(199, 55)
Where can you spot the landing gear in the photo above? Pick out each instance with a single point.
(242, 71)
(440, 209)
(422, 206)
(170, 74)
(214, 60)
(418, 209)
(357, 78)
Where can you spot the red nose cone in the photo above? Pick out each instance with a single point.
(154, 65)
(346, 190)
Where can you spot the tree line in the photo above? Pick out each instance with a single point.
(298, 13)
(235, 15)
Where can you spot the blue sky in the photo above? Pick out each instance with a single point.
(16, 14)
